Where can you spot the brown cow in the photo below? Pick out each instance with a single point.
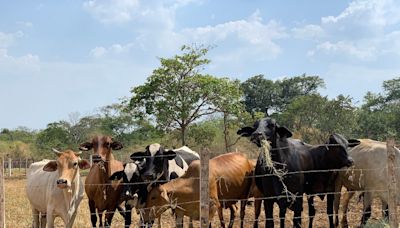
(229, 182)
(101, 194)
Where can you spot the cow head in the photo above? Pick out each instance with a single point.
(130, 176)
(265, 129)
(155, 161)
(68, 164)
(156, 203)
(102, 146)
(337, 155)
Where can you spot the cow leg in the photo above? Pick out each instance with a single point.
(367, 208)
(93, 214)
(243, 204)
(50, 218)
(282, 213)
(35, 214)
(179, 220)
(298, 207)
(329, 209)
(109, 217)
(190, 222)
(221, 216)
(311, 211)
(336, 202)
(385, 210)
(43, 220)
(346, 199)
(232, 217)
(269, 209)
(128, 214)
(257, 211)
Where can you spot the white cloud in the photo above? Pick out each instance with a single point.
(98, 52)
(348, 48)
(308, 32)
(8, 39)
(252, 34)
(25, 24)
(10, 64)
(114, 11)
(364, 31)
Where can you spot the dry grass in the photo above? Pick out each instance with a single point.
(18, 212)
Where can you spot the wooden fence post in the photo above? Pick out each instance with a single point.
(2, 197)
(392, 202)
(9, 167)
(91, 160)
(204, 188)
(26, 165)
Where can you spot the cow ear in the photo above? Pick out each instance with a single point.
(84, 164)
(245, 131)
(51, 166)
(86, 146)
(284, 132)
(353, 142)
(138, 156)
(170, 154)
(116, 145)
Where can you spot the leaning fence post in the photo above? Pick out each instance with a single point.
(204, 188)
(2, 197)
(392, 202)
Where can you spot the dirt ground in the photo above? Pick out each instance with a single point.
(18, 212)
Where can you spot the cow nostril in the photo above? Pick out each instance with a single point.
(61, 181)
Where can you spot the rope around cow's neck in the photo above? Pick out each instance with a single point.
(280, 173)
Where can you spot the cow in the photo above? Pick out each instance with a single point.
(55, 194)
(292, 156)
(104, 195)
(164, 165)
(369, 175)
(229, 181)
(157, 165)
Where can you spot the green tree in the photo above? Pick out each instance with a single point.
(261, 94)
(177, 94)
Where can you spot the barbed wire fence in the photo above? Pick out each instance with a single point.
(203, 200)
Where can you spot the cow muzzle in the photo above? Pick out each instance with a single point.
(350, 162)
(62, 183)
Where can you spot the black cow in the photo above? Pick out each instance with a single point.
(293, 156)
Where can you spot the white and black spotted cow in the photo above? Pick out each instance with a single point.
(161, 165)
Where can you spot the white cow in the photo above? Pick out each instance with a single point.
(369, 174)
(53, 194)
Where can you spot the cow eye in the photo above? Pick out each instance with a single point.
(153, 198)
(75, 164)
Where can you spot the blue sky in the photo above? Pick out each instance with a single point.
(63, 57)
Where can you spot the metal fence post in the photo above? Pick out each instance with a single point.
(2, 197)
(204, 188)
(392, 202)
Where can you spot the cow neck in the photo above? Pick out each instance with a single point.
(109, 159)
(278, 146)
(71, 195)
(318, 156)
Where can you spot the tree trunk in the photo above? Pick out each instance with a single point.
(227, 147)
(183, 134)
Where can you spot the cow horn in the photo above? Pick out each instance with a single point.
(78, 153)
(56, 151)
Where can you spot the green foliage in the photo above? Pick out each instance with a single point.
(176, 94)
(314, 117)
(261, 94)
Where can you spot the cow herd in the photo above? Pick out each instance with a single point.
(158, 179)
